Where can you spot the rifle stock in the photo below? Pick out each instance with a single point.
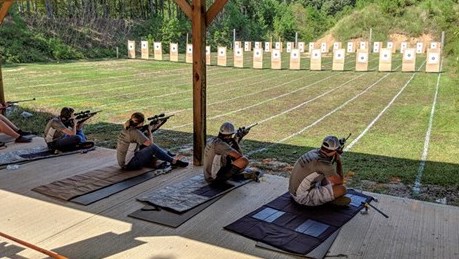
(159, 118)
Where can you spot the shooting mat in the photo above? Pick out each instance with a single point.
(286, 225)
(165, 217)
(32, 154)
(188, 194)
(78, 185)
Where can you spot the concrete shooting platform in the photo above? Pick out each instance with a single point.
(414, 229)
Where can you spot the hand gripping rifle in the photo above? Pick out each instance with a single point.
(242, 131)
(342, 142)
(156, 121)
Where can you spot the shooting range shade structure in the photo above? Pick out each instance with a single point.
(286, 225)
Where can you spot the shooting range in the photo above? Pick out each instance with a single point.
(276, 59)
(409, 60)
(207, 55)
(248, 46)
(385, 60)
(267, 46)
(433, 60)
(323, 47)
(221, 56)
(158, 50)
(189, 53)
(338, 60)
(301, 46)
(239, 58)
(377, 46)
(403, 46)
(144, 50)
(173, 52)
(295, 60)
(420, 48)
(131, 49)
(401, 199)
(350, 47)
(361, 62)
(316, 60)
(258, 58)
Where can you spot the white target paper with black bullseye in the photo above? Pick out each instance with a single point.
(408, 55)
(257, 53)
(131, 46)
(315, 54)
(157, 45)
(238, 52)
(276, 54)
(222, 52)
(207, 50)
(174, 47)
(433, 45)
(363, 45)
(339, 55)
(385, 55)
(144, 45)
(350, 46)
(363, 57)
(189, 49)
(376, 47)
(294, 54)
(433, 58)
(277, 45)
(390, 45)
(257, 45)
(419, 47)
(301, 46)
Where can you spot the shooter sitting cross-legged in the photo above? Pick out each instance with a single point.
(223, 158)
(136, 158)
(64, 133)
(314, 179)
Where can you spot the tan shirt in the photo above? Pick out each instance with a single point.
(308, 163)
(126, 140)
(215, 147)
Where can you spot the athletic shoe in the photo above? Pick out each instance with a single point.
(341, 201)
(86, 145)
(22, 139)
(253, 174)
(180, 163)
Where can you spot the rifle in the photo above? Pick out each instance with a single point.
(83, 116)
(241, 132)
(339, 150)
(157, 120)
(12, 103)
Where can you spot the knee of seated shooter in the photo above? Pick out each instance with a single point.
(339, 190)
(241, 162)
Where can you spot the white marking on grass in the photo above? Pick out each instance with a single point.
(425, 151)
(262, 102)
(319, 120)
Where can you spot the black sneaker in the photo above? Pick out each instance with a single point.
(22, 139)
(86, 145)
(24, 133)
(180, 163)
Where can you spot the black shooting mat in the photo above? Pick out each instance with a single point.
(286, 225)
(188, 194)
(165, 217)
(32, 154)
(319, 252)
(105, 192)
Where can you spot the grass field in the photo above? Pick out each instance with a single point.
(404, 125)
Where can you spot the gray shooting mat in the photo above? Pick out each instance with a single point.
(77, 185)
(105, 192)
(188, 194)
(286, 225)
(33, 154)
(168, 218)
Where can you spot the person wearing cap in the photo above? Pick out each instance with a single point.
(315, 180)
(129, 153)
(223, 158)
(64, 134)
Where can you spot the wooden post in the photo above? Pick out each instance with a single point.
(3, 12)
(200, 19)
